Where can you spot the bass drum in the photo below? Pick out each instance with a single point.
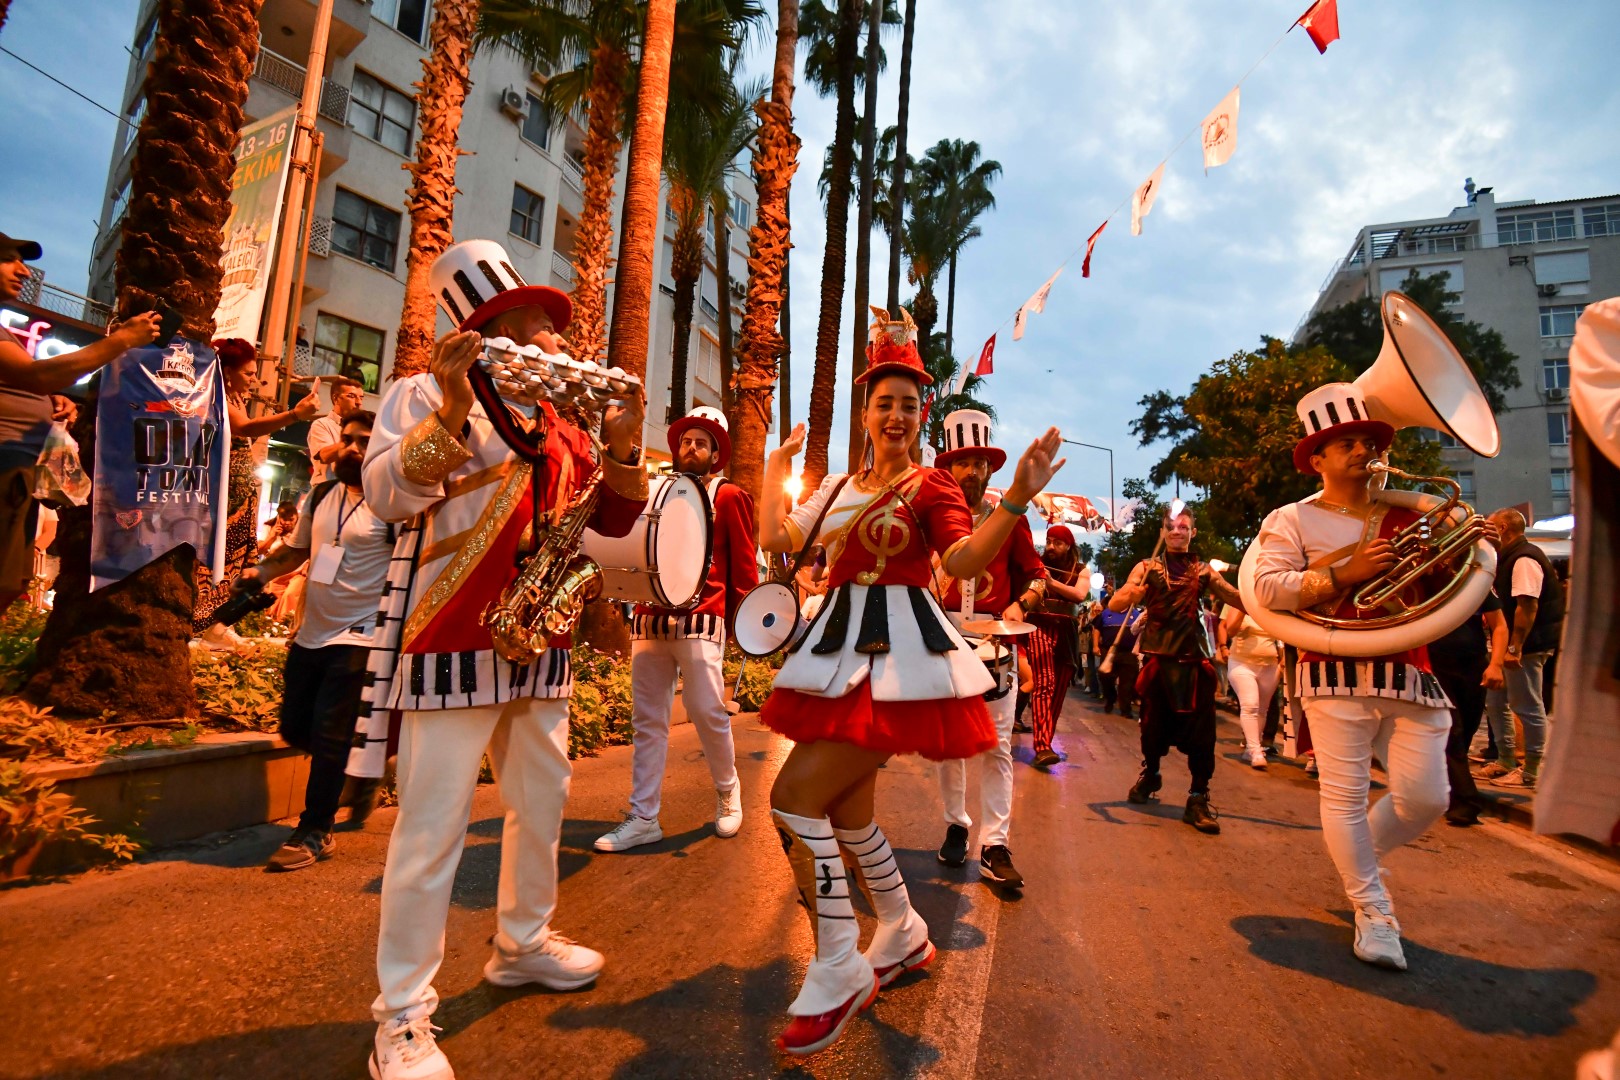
(767, 619)
(664, 559)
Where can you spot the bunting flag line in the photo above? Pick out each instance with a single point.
(1034, 305)
(1321, 21)
(1091, 242)
(987, 358)
(1220, 132)
(1142, 201)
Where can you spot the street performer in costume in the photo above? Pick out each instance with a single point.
(1013, 583)
(1053, 647)
(1312, 554)
(667, 643)
(478, 485)
(881, 671)
(1177, 682)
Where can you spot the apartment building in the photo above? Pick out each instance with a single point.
(1525, 269)
(520, 184)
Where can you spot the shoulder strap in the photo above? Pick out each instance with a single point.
(815, 530)
(321, 491)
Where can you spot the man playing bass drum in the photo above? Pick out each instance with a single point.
(1312, 554)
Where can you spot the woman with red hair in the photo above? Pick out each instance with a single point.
(238, 359)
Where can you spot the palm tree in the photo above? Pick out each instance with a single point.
(900, 161)
(125, 648)
(942, 402)
(776, 156)
(700, 152)
(951, 171)
(863, 234)
(443, 91)
(927, 242)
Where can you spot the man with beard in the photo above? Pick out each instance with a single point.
(1177, 683)
(1012, 583)
(326, 661)
(1053, 646)
(690, 644)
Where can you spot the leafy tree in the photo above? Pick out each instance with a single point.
(1354, 333)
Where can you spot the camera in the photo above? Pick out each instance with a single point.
(243, 604)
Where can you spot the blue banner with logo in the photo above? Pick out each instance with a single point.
(162, 443)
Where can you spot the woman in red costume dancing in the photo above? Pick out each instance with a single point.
(881, 671)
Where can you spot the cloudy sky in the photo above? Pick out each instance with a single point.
(1078, 102)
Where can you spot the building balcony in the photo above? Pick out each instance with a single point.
(276, 70)
(68, 304)
(291, 25)
(562, 270)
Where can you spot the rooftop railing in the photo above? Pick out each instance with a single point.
(288, 77)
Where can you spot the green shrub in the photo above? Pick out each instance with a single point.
(32, 811)
(599, 711)
(243, 687)
(20, 628)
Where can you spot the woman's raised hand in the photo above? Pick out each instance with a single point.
(1036, 467)
(792, 444)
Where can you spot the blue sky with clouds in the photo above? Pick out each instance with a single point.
(1079, 102)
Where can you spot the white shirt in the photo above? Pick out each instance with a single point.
(1527, 578)
(323, 432)
(343, 612)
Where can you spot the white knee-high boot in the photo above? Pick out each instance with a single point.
(901, 940)
(839, 971)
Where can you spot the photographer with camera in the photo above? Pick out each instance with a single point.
(347, 548)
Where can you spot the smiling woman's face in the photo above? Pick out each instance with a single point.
(893, 413)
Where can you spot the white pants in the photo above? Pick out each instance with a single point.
(995, 780)
(1254, 683)
(439, 756)
(653, 667)
(1411, 742)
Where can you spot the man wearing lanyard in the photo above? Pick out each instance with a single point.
(347, 548)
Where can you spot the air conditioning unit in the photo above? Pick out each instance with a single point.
(1546, 290)
(1556, 394)
(513, 103)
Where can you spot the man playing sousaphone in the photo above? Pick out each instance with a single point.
(1311, 555)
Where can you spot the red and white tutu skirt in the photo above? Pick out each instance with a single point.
(923, 694)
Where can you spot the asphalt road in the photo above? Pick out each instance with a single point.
(1139, 949)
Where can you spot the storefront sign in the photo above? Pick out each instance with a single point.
(42, 335)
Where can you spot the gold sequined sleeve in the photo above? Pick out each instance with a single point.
(428, 453)
(1315, 586)
(626, 481)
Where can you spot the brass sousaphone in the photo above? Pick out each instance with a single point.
(1418, 380)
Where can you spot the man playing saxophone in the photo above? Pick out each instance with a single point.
(480, 488)
(1311, 556)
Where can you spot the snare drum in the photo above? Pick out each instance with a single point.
(664, 559)
(1000, 661)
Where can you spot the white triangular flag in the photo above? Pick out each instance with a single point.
(1220, 131)
(1142, 201)
(1033, 306)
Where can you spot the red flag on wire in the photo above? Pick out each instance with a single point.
(1322, 23)
(987, 357)
(1091, 242)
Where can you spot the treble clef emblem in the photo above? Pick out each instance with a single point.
(883, 535)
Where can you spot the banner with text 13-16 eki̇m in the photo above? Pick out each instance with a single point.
(162, 443)
(257, 185)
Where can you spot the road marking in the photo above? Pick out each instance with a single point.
(957, 1011)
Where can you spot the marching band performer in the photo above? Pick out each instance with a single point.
(690, 644)
(1311, 555)
(442, 462)
(1012, 583)
(1177, 681)
(1053, 646)
(881, 671)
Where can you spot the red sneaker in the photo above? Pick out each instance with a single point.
(920, 957)
(807, 1034)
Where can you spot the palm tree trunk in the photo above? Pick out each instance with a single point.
(823, 384)
(784, 380)
(863, 236)
(633, 284)
(593, 242)
(686, 267)
(775, 158)
(897, 185)
(124, 649)
(722, 279)
(432, 199)
(950, 308)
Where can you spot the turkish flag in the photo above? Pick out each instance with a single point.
(1322, 23)
(987, 357)
(1142, 201)
(1091, 242)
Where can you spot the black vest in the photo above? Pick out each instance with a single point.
(1550, 609)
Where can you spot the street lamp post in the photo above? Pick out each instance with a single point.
(1113, 511)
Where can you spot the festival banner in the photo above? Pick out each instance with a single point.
(263, 153)
(162, 439)
(1091, 243)
(1220, 132)
(1321, 21)
(1142, 201)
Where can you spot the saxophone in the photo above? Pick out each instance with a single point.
(551, 591)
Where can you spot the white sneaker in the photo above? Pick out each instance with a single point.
(220, 638)
(632, 832)
(1255, 758)
(728, 810)
(558, 964)
(1378, 938)
(405, 1049)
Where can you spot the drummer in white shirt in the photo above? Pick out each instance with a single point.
(689, 643)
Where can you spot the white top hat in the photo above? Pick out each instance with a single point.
(474, 281)
(967, 431)
(711, 420)
(1331, 410)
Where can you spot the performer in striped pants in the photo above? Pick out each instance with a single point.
(1052, 647)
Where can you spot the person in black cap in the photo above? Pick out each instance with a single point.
(26, 411)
